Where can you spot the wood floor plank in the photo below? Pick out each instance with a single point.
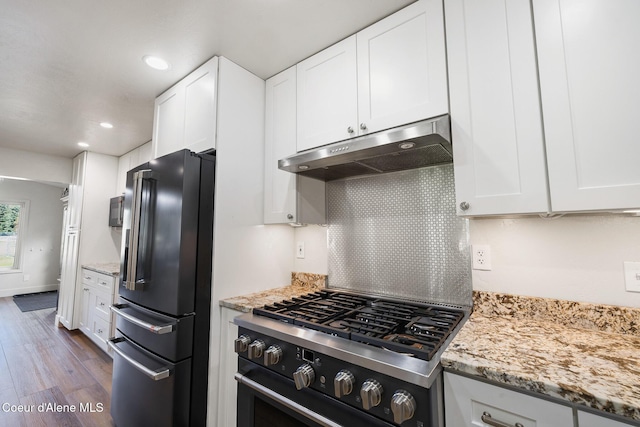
(10, 416)
(94, 404)
(51, 408)
(41, 363)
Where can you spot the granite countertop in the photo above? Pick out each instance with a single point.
(301, 283)
(112, 268)
(582, 353)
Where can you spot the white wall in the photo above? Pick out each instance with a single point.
(315, 248)
(41, 244)
(34, 166)
(248, 256)
(575, 257)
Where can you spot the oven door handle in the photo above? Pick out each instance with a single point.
(154, 375)
(290, 404)
(156, 329)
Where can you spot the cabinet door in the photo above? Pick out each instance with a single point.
(327, 96)
(589, 60)
(280, 142)
(200, 93)
(168, 121)
(227, 388)
(402, 71)
(67, 291)
(496, 124)
(586, 419)
(467, 400)
(85, 310)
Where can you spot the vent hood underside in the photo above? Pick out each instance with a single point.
(386, 151)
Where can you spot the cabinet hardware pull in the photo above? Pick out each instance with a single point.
(156, 329)
(136, 212)
(294, 406)
(464, 206)
(350, 129)
(154, 375)
(363, 126)
(486, 418)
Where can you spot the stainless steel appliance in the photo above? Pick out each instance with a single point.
(116, 211)
(415, 145)
(338, 358)
(161, 346)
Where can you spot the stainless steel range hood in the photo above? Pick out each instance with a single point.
(416, 145)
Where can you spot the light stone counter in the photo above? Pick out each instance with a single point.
(583, 353)
(301, 283)
(112, 269)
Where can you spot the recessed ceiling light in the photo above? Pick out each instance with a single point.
(106, 125)
(83, 144)
(155, 62)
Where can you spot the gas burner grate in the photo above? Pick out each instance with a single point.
(414, 329)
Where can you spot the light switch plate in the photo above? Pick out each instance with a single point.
(632, 276)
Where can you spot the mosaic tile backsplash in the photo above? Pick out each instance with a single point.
(398, 234)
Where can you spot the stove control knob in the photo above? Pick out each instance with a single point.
(304, 376)
(241, 343)
(256, 349)
(343, 383)
(371, 394)
(272, 356)
(403, 406)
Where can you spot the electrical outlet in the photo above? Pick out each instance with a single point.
(632, 276)
(481, 255)
(300, 250)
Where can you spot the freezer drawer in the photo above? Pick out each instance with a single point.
(169, 337)
(148, 390)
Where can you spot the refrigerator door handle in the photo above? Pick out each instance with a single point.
(154, 375)
(156, 329)
(134, 238)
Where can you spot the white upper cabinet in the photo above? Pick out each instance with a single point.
(496, 123)
(402, 74)
(327, 96)
(389, 74)
(288, 198)
(589, 61)
(280, 142)
(185, 115)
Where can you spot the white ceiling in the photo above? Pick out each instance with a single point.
(66, 66)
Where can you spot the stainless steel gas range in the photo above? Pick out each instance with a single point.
(338, 358)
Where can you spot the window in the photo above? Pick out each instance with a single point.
(12, 218)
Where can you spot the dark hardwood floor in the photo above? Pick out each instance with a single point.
(61, 376)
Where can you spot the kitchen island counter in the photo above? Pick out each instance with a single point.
(301, 283)
(582, 353)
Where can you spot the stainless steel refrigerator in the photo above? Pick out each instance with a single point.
(161, 347)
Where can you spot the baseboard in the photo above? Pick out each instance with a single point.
(28, 290)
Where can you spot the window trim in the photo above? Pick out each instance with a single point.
(20, 246)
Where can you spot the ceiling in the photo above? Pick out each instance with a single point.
(67, 66)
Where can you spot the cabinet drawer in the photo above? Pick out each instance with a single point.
(468, 401)
(100, 329)
(89, 277)
(100, 302)
(105, 282)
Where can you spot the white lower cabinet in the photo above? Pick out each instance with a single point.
(586, 419)
(227, 388)
(468, 401)
(96, 320)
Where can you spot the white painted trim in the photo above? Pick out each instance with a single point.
(27, 290)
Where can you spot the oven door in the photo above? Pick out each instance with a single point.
(267, 399)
